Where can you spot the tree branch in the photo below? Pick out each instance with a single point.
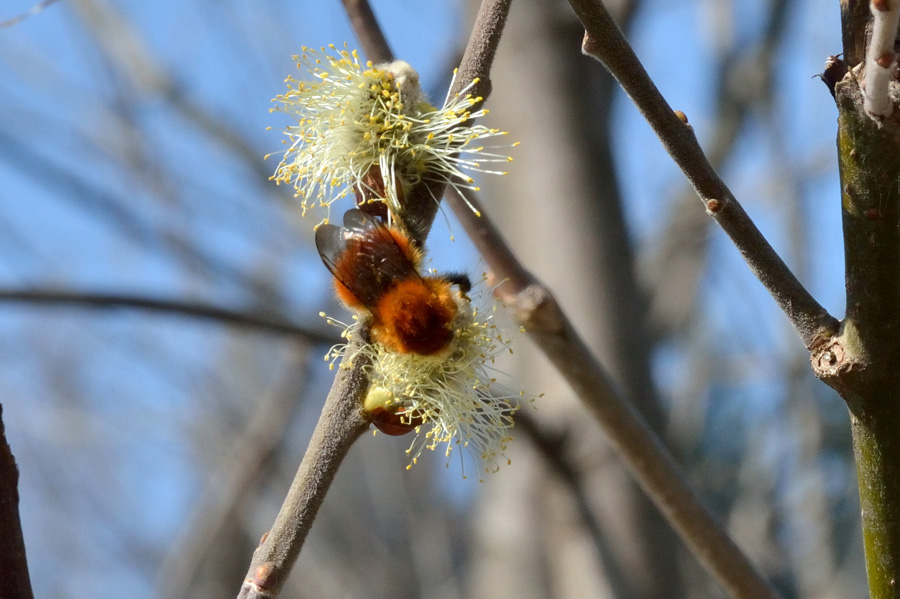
(675, 268)
(16, 583)
(646, 457)
(861, 362)
(26, 14)
(61, 297)
(605, 42)
(481, 49)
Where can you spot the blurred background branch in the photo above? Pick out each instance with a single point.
(272, 324)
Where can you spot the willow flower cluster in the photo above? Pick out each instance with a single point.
(450, 401)
(368, 129)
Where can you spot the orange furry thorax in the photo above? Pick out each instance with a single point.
(416, 316)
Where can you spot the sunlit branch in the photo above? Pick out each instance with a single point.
(340, 425)
(420, 205)
(605, 42)
(481, 49)
(676, 266)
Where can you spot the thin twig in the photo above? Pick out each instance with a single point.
(675, 269)
(26, 14)
(647, 458)
(61, 297)
(605, 42)
(481, 49)
(365, 25)
(15, 583)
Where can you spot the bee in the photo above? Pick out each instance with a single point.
(377, 271)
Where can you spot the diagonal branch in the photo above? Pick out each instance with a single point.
(650, 462)
(26, 14)
(604, 41)
(675, 267)
(481, 49)
(535, 307)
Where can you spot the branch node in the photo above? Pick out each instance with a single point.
(265, 577)
(714, 205)
(589, 46)
(535, 308)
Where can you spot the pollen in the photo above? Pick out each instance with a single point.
(450, 401)
(353, 119)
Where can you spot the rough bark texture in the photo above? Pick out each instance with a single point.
(861, 362)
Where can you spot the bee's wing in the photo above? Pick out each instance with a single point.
(331, 244)
(364, 256)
